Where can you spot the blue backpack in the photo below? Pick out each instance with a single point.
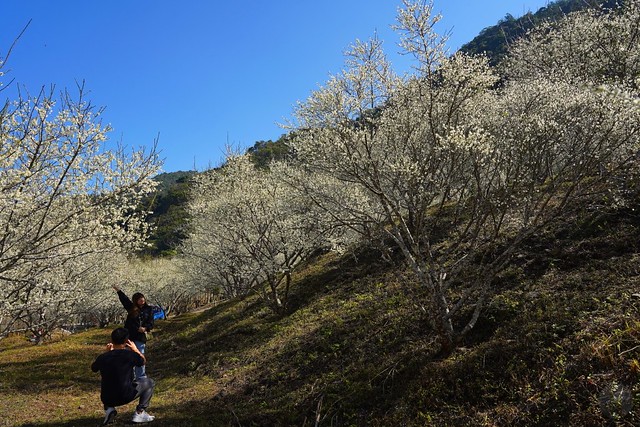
(158, 312)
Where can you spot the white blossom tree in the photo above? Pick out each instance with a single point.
(588, 46)
(254, 229)
(74, 296)
(213, 253)
(64, 199)
(450, 169)
(163, 281)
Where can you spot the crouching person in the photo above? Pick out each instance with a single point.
(117, 386)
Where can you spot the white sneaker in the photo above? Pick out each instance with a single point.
(142, 417)
(109, 414)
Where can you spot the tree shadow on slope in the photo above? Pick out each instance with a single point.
(335, 327)
(183, 346)
(236, 326)
(339, 360)
(364, 356)
(329, 271)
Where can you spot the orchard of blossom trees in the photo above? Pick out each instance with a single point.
(453, 165)
(449, 168)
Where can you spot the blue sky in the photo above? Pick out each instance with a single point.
(201, 74)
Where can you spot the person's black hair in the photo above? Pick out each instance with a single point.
(119, 336)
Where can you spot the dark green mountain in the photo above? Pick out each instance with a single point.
(494, 41)
(169, 217)
(263, 152)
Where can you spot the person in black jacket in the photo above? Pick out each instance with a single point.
(139, 321)
(117, 386)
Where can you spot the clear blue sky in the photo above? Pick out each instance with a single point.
(201, 74)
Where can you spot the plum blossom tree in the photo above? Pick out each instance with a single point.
(212, 262)
(163, 281)
(253, 229)
(589, 46)
(213, 253)
(66, 201)
(75, 295)
(451, 169)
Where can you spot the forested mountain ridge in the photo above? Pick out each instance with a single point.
(168, 216)
(264, 152)
(166, 180)
(495, 40)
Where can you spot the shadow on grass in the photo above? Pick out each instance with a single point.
(202, 334)
(163, 422)
(189, 414)
(241, 325)
(54, 365)
(338, 272)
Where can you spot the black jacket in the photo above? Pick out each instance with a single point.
(144, 319)
(116, 367)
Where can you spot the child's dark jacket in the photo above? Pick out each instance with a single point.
(144, 319)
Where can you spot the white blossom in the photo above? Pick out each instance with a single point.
(66, 204)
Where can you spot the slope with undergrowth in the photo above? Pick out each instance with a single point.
(559, 344)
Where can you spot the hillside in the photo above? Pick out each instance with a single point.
(558, 345)
(494, 40)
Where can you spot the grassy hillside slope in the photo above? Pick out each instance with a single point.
(558, 345)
